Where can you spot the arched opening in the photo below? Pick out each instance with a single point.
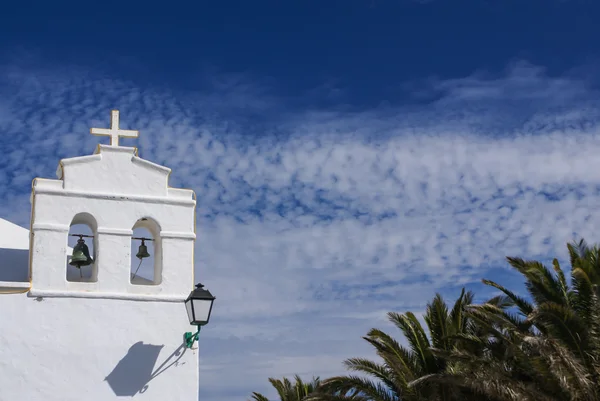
(82, 241)
(146, 255)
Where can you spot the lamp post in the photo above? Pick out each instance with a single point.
(198, 306)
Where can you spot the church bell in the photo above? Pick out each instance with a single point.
(142, 251)
(81, 255)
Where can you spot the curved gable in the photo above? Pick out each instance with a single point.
(114, 170)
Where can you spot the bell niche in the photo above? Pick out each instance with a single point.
(146, 253)
(112, 221)
(81, 266)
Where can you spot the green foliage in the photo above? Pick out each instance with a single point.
(390, 379)
(288, 391)
(506, 349)
(547, 349)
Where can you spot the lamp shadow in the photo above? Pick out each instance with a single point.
(134, 371)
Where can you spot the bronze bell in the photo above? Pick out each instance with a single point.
(81, 255)
(142, 251)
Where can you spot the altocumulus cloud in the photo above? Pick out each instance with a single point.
(312, 224)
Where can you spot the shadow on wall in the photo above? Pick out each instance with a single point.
(14, 265)
(133, 373)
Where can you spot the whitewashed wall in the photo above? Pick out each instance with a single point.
(76, 349)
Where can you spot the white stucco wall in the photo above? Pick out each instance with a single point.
(104, 340)
(75, 349)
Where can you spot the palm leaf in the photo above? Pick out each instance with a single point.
(524, 306)
(436, 317)
(259, 397)
(353, 386)
(416, 337)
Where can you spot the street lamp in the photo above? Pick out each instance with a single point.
(198, 305)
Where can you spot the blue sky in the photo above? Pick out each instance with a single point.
(350, 157)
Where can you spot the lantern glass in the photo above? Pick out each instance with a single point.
(201, 308)
(188, 308)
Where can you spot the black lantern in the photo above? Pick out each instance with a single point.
(198, 306)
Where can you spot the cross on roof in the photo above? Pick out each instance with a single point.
(114, 132)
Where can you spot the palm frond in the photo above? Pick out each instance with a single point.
(563, 323)
(392, 380)
(416, 337)
(524, 306)
(258, 397)
(355, 386)
(397, 357)
(436, 318)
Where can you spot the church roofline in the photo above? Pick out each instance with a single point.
(115, 149)
(80, 159)
(151, 165)
(13, 236)
(109, 149)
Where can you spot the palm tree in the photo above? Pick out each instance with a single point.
(288, 391)
(544, 349)
(389, 379)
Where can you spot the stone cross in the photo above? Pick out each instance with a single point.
(114, 132)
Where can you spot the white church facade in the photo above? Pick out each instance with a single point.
(77, 324)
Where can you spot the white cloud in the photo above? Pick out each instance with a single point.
(309, 231)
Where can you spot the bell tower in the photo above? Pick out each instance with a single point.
(89, 323)
(111, 191)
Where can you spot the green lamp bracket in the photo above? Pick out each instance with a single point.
(190, 338)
